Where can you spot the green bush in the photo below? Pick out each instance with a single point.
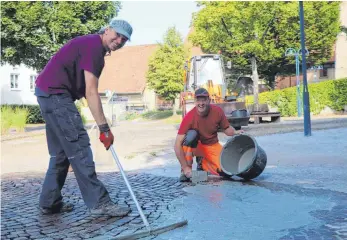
(131, 115)
(34, 113)
(15, 118)
(332, 93)
(19, 119)
(79, 108)
(156, 115)
(338, 97)
(6, 119)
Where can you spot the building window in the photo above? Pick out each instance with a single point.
(32, 82)
(323, 72)
(14, 81)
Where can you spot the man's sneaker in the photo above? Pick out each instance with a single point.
(110, 209)
(60, 208)
(183, 178)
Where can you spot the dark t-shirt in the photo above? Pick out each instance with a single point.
(206, 126)
(65, 70)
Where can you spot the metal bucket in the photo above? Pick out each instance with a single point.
(243, 157)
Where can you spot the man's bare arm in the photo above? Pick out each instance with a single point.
(179, 151)
(93, 98)
(230, 131)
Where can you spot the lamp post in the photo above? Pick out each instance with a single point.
(296, 53)
(306, 96)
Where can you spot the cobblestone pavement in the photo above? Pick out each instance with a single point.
(157, 196)
(20, 218)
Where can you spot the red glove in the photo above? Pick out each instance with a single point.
(107, 139)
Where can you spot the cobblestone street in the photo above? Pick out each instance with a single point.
(301, 194)
(21, 219)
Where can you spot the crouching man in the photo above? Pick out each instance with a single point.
(197, 136)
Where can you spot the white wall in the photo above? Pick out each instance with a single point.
(22, 95)
(149, 98)
(341, 45)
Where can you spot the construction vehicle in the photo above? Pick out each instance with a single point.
(208, 71)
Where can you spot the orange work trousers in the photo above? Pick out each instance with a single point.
(210, 156)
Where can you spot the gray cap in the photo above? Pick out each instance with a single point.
(121, 27)
(201, 92)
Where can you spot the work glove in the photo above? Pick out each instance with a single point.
(106, 136)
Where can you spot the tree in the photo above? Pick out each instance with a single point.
(260, 32)
(166, 67)
(33, 31)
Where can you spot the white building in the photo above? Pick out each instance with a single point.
(17, 84)
(341, 45)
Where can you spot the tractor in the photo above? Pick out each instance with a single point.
(208, 71)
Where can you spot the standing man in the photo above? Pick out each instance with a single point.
(197, 136)
(72, 73)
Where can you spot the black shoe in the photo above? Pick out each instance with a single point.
(110, 209)
(60, 208)
(199, 164)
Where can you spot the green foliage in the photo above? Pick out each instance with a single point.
(151, 115)
(6, 119)
(32, 31)
(156, 115)
(19, 119)
(166, 66)
(265, 30)
(330, 93)
(79, 105)
(338, 97)
(34, 114)
(131, 116)
(14, 117)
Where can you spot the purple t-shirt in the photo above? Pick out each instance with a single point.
(64, 73)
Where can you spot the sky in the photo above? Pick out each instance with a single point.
(151, 19)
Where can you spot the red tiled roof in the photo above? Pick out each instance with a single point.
(125, 70)
(194, 50)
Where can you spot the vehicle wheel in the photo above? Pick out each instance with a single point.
(237, 128)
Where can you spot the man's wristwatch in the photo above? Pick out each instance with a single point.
(104, 128)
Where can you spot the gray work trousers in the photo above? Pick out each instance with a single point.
(68, 143)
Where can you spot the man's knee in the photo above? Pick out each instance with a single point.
(191, 139)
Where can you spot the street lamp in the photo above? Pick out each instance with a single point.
(297, 53)
(306, 94)
(315, 68)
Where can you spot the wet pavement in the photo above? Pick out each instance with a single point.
(261, 210)
(302, 194)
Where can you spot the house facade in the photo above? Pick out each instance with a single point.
(123, 83)
(17, 84)
(341, 45)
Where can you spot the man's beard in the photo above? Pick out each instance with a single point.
(205, 112)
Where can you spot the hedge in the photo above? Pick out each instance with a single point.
(34, 114)
(331, 93)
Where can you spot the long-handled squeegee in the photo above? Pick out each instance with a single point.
(149, 231)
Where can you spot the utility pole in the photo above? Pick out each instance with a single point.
(255, 83)
(306, 96)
